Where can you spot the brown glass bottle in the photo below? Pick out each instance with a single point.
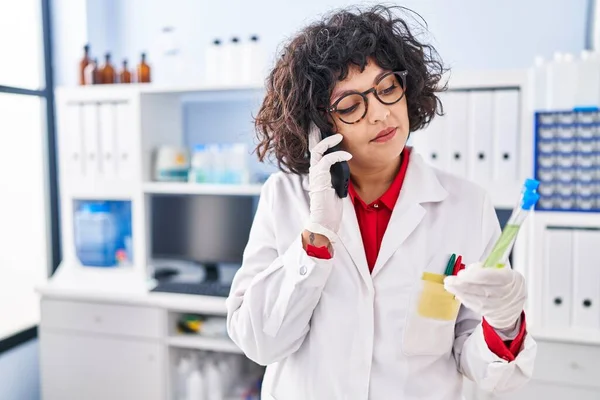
(143, 70)
(108, 72)
(125, 75)
(85, 61)
(97, 72)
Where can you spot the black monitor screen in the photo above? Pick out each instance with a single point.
(204, 229)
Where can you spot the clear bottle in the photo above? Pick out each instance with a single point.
(588, 79)
(170, 63)
(224, 368)
(223, 164)
(217, 163)
(253, 62)
(232, 56)
(183, 371)
(214, 384)
(213, 60)
(537, 75)
(200, 166)
(91, 73)
(195, 385)
(237, 169)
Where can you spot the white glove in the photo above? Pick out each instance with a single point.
(498, 294)
(325, 205)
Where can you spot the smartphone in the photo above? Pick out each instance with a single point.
(340, 171)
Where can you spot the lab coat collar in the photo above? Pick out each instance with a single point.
(421, 185)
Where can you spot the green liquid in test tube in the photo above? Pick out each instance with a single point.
(499, 255)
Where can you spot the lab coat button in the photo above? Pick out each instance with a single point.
(303, 270)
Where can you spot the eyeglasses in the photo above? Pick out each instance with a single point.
(352, 107)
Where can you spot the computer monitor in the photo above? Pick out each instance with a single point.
(207, 229)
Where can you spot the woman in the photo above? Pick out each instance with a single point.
(330, 294)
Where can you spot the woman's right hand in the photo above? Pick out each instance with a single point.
(325, 205)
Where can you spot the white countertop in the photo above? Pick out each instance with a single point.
(125, 289)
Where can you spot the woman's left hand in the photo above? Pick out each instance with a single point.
(498, 294)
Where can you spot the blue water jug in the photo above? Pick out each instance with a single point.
(103, 233)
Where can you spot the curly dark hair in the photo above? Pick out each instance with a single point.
(300, 85)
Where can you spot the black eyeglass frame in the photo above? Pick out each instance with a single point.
(401, 74)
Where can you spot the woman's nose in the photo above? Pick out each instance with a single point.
(377, 110)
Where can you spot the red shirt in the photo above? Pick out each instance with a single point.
(373, 220)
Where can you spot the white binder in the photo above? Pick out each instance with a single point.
(557, 278)
(562, 82)
(126, 144)
(456, 131)
(586, 279)
(588, 79)
(506, 136)
(107, 131)
(431, 141)
(538, 100)
(90, 139)
(72, 160)
(480, 134)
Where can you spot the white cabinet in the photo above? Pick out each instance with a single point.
(568, 364)
(562, 371)
(88, 366)
(546, 391)
(112, 319)
(102, 351)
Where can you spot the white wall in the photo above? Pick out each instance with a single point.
(470, 34)
(69, 35)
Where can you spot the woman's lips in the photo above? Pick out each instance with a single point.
(385, 135)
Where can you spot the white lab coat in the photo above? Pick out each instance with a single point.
(330, 330)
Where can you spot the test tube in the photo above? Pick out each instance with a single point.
(529, 197)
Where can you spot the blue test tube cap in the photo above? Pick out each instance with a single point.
(531, 184)
(530, 195)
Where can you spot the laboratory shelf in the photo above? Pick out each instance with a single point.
(198, 88)
(202, 188)
(153, 88)
(203, 343)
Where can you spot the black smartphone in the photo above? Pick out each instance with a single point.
(340, 171)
